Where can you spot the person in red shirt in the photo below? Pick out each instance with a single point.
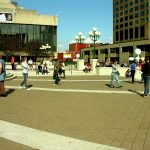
(13, 62)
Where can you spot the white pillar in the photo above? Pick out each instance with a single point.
(93, 65)
(80, 64)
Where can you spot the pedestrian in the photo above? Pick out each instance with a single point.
(63, 69)
(13, 62)
(25, 70)
(115, 75)
(30, 62)
(2, 77)
(146, 76)
(56, 77)
(133, 70)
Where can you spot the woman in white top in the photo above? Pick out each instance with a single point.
(114, 75)
(25, 70)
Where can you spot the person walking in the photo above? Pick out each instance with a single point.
(133, 70)
(25, 70)
(2, 77)
(62, 65)
(56, 77)
(115, 75)
(13, 62)
(146, 76)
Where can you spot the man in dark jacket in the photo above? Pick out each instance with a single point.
(146, 76)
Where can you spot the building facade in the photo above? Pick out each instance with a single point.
(23, 32)
(131, 30)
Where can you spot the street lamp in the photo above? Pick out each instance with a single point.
(137, 58)
(80, 39)
(94, 36)
(44, 47)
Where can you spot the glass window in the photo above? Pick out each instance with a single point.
(136, 32)
(126, 34)
(142, 13)
(136, 8)
(121, 35)
(131, 33)
(136, 1)
(142, 6)
(117, 35)
(131, 3)
(142, 31)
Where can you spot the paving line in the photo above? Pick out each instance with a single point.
(64, 80)
(77, 90)
(45, 140)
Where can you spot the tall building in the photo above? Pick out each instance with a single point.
(131, 30)
(23, 31)
(131, 20)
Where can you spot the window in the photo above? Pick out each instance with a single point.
(136, 8)
(142, 31)
(142, 13)
(121, 25)
(136, 32)
(131, 16)
(121, 35)
(126, 24)
(117, 34)
(142, 6)
(136, 22)
(131, 3)
(121, 19)
(131, 33)
(136, 15)
(126, 18)
(136, 1)
(131, 10)
(131, 23)
(126, 34)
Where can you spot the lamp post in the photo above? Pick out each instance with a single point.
(94, 36)
(80, 39)
(45, 47)
(137, 52)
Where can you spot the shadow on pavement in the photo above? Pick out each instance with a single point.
(30, 85)
(10, 91)
(136, 92)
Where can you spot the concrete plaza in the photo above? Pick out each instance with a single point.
(81, 109)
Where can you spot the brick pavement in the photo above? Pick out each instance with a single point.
(115, 119)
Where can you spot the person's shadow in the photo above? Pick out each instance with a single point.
(136, 92)
(9, 91)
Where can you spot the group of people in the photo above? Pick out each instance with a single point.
(59, 69)
(42, 68)
(144, 69)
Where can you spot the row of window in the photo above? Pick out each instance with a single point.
(131, 23)
(128, 18)
(24, 28)
(127, 34)
(136, 8)
(16, 36)
(118, 2)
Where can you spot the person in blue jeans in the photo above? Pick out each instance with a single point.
(114, 75)
(25, 70)
(146, 76)
(133, 70)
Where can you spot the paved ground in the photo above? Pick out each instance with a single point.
(82, 107)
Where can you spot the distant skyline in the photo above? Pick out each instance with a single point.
(76, 16)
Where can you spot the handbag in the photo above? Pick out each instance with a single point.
(118, 73)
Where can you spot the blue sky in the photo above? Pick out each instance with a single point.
(76, 16)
